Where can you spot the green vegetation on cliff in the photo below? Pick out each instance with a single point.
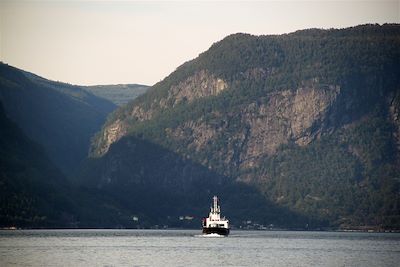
(309, 119)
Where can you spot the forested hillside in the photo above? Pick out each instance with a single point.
(33, 192)
(310, 120)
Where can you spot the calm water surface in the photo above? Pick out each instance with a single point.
(189, 248)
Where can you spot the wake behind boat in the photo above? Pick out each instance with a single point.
(214, 224)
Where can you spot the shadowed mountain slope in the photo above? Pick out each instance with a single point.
(60, 117)
(33, 191)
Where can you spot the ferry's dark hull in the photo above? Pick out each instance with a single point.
(215, 230)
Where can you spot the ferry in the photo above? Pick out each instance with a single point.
(214, 224)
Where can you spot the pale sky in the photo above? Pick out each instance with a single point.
(111, 42)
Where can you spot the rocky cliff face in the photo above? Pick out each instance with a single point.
(201, 84)
(282, 117)
(288, 116)
(111, 134)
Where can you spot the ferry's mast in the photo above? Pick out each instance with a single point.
(216, 208)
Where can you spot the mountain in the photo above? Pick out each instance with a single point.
(119, 94)
(308, 122)
(60, 117)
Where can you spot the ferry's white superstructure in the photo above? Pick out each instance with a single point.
(214, 224)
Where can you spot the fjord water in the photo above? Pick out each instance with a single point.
(190, 248)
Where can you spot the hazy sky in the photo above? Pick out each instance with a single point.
(109, 42)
